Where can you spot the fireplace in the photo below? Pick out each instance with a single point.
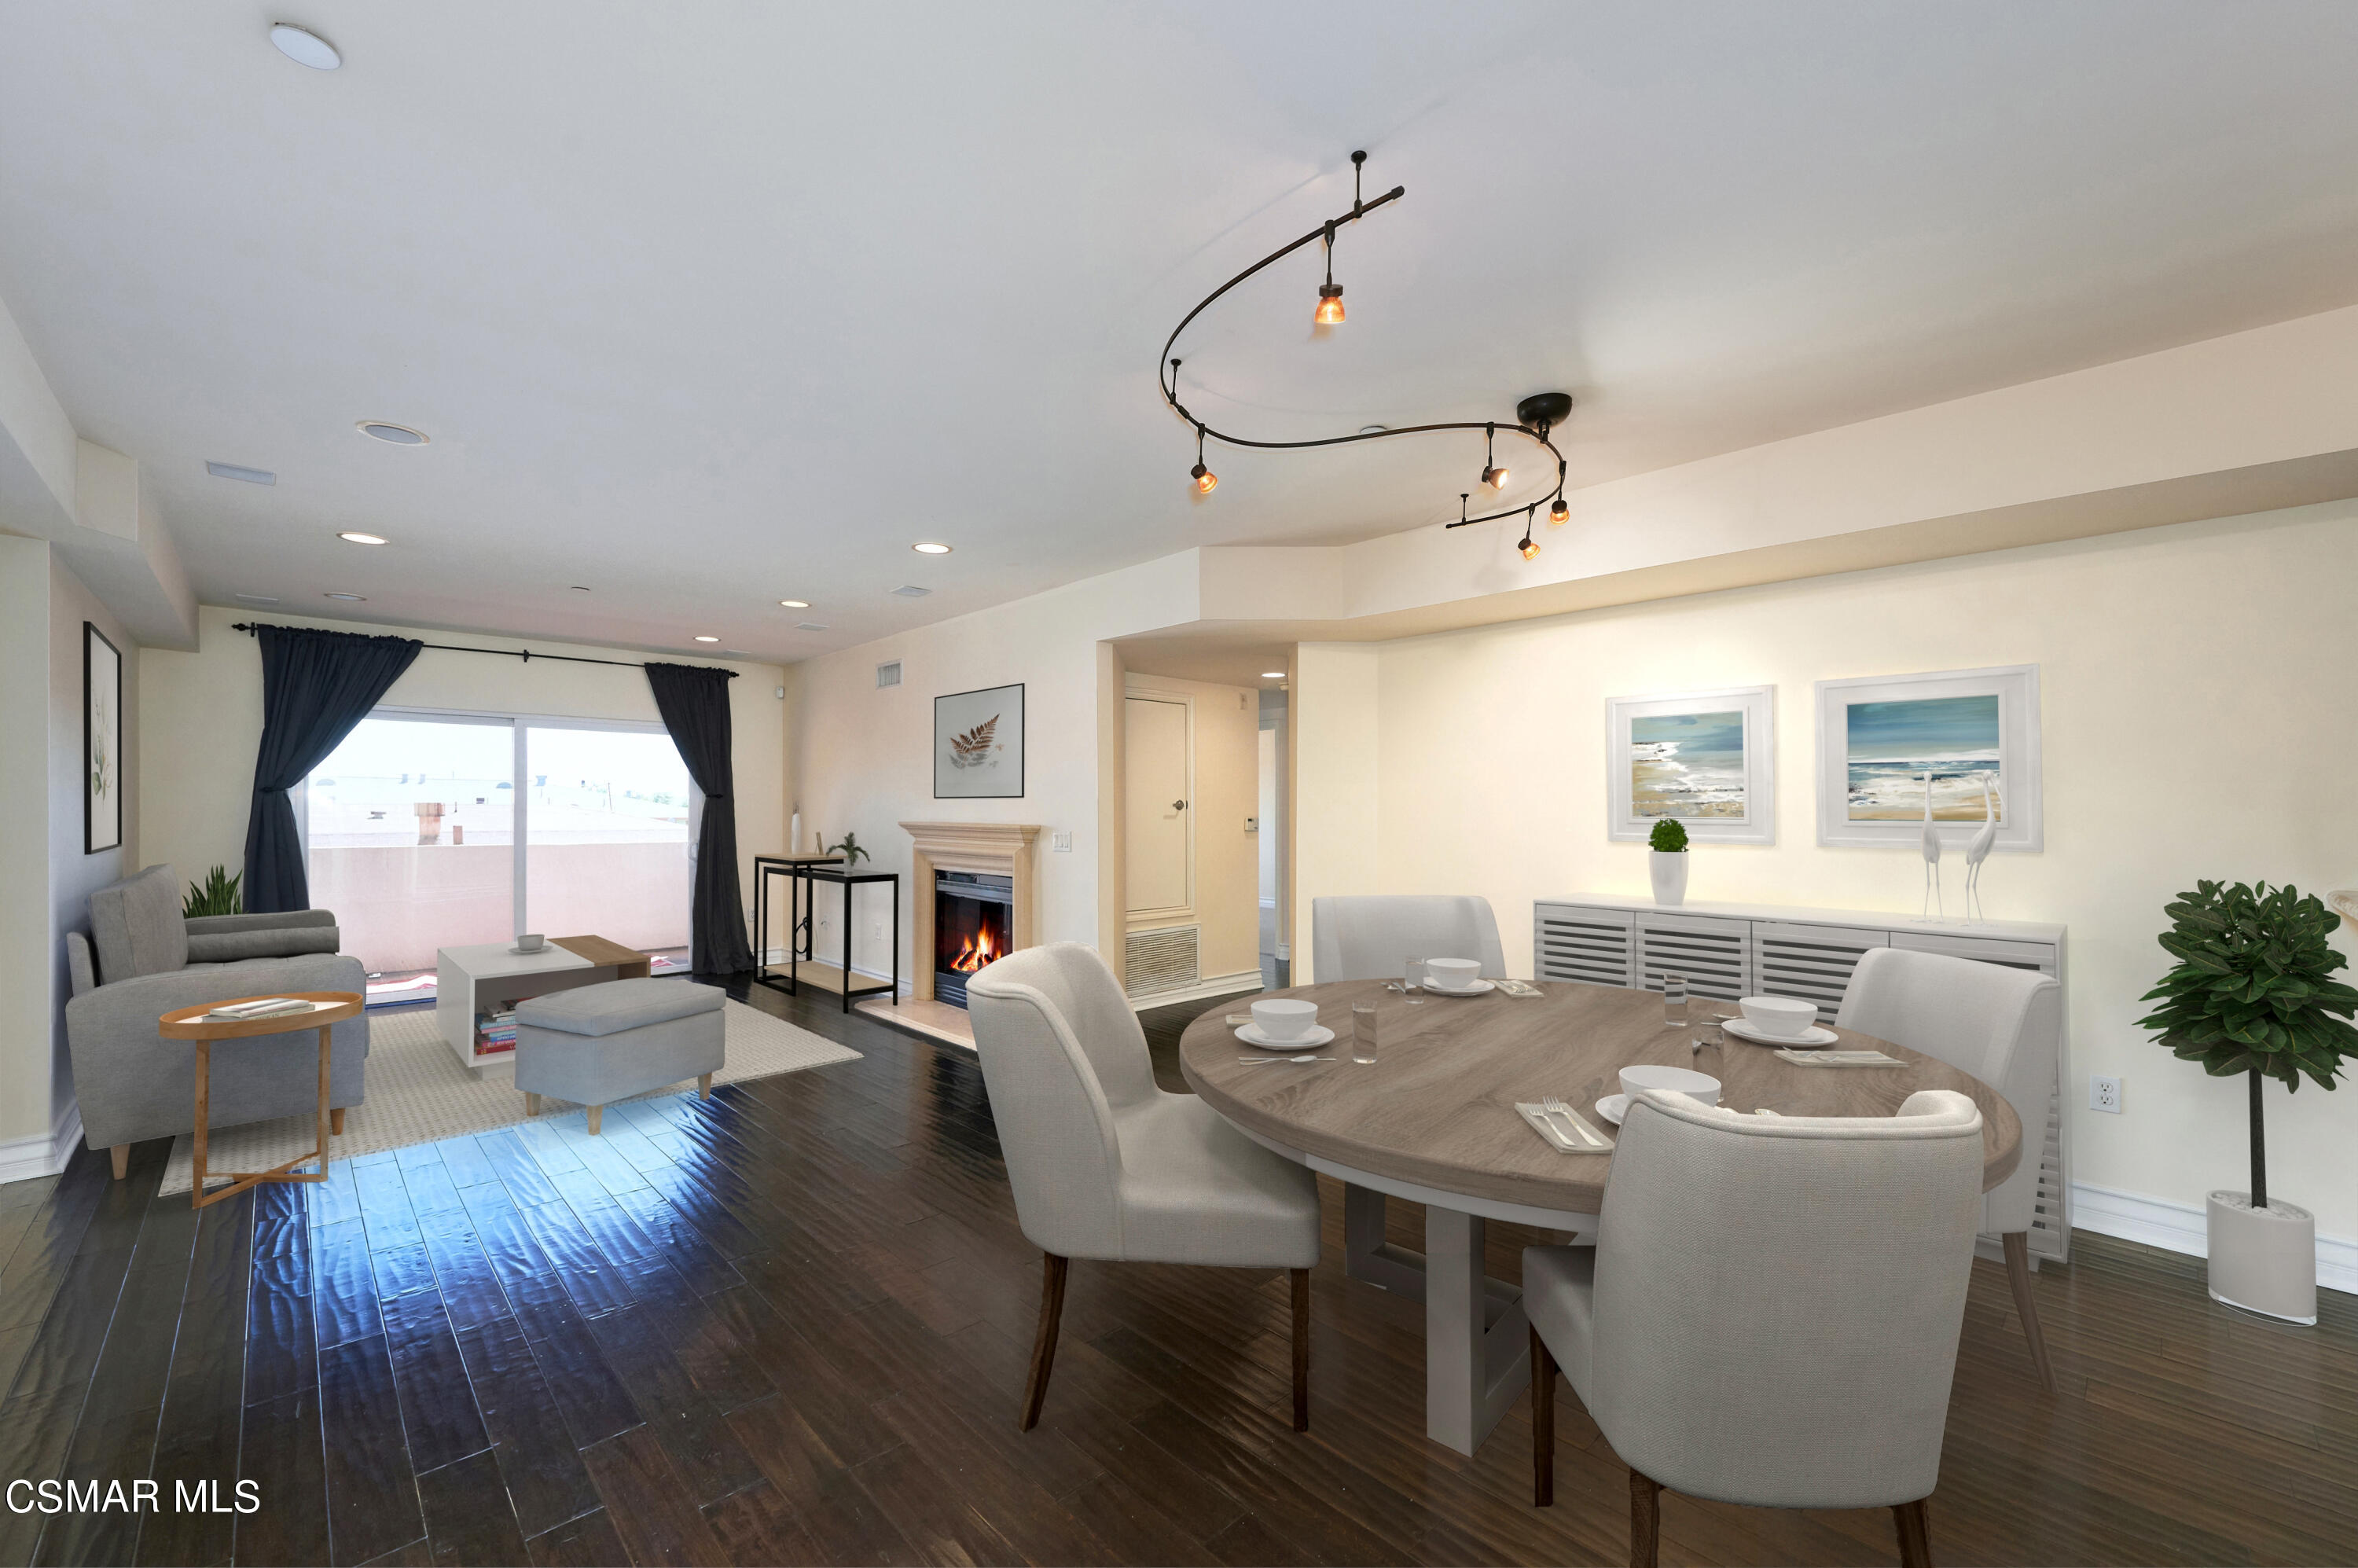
(974, 922)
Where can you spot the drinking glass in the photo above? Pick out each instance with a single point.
(1363, 1032)
(1412, 980)
(1674, 1001)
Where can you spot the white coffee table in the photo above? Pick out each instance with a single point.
(484, 978)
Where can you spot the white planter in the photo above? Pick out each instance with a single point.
(2263, 1261)
(1669, 873)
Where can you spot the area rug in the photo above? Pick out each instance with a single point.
(417, 1093)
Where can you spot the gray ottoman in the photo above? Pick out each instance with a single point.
(599, 1044)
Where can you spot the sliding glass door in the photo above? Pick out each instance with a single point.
(428, 830)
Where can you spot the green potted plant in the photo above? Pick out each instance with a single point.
(219, 893)
(852, 852)
(2252, 993)
(1667, 861)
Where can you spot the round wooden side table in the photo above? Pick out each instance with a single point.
(190, 1023)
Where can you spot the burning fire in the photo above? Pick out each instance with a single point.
(976, 951)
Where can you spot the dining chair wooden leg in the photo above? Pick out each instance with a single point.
(336, 1121)
(120, 1154)
(2018, 1273)
(1543, 1423)
(1043, 1347)
(1300, 1349)
(1915, 1534)
(1645, 1520)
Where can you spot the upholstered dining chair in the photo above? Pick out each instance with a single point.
(2004, 1026)
(1366, 937)
(1107, 1166)
(1770, 1313)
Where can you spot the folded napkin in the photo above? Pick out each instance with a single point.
(1840, 1059)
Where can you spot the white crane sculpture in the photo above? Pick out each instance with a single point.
(1978, 850)
(1932, 858)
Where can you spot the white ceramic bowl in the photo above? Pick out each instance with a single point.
(532, 942)
(1284, 1018)
(1778, 1015)
(1678, 1080)
(1451, 974)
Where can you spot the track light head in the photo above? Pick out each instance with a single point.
(1496, 478)
(1330, 306)
(1559, 513)
(1530, 547)
(1205, 479)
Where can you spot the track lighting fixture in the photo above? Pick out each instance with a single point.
(1205, 479)
(1559, 513)
(1535, 415)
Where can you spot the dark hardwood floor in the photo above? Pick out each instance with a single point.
(792, 1325)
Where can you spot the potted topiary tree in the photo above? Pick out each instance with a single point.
(1669, 862)
(2252, 993)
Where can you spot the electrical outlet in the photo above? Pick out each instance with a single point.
(2104, 1093)
(1253, 824)
(1062, 843)
(876, 931)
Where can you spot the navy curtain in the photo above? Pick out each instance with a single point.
(694, 702)
(315, 686)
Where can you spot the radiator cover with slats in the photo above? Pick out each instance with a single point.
(1163, 961)
(1728, 956)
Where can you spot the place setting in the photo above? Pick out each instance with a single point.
(1282, 1025)
(1788, 1027)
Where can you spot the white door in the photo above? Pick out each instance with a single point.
(1158, 811)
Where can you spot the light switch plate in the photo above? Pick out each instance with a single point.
(1062, 843)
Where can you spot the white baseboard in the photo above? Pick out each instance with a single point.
(1218, 985)
(23, 1159)
(2183, 1227)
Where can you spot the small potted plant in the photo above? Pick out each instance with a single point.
(852, 852)
(218, 894)
(2252, 993)
(1668, 862)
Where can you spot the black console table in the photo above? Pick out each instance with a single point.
(802, 872)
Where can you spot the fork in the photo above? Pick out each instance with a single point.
(1554, 1107)
(1257, 1061)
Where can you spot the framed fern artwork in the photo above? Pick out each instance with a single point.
(978, 744)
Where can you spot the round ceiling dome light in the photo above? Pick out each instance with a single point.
(930, 549)
(398, 435)
(1273, 675)
(362, 538)
(794, 604)
(704, 639)
(349, 597)
(304, 47)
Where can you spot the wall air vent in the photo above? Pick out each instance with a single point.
(256, 597)
(888, 675)
(810, 625)
(1162, 960)
(911, 591)
(250, 476)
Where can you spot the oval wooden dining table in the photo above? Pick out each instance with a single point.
(1432, 1120)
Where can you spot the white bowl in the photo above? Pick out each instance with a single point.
(1285, 1019)
(531, 943)
(1451, 974)
(1677, 1080)
(1778, 1015)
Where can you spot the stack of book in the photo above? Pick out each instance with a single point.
(494, 1031)
(260, 1007)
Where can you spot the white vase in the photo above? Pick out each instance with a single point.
(1669, 873)
(2262, 1260)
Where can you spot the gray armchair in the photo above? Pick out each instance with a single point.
(130, 1082)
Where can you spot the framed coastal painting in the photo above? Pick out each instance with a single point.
(1958, 748)
(1706, 758)
(978, 744)
(102, 741)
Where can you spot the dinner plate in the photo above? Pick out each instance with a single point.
(1319, 1035)
(1612, 1107)
(1476, 989)
(1743, 1030)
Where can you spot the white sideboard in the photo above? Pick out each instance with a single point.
(1731, 950)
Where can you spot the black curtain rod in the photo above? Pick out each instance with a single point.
(527, 654)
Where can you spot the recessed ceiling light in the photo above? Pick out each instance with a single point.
(1273, 675)
(794, 604)
(579, 588)
(911, 591)
(232, 471)
(930, 549)
(305, 48)
(348, 598)
(703, 639)
(399, 434)
(359, 538)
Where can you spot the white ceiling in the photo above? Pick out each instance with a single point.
(705, 307)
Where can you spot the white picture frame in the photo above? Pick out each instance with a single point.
(102, 741)
(1950, 736)
(978, 744)
(1644, 781)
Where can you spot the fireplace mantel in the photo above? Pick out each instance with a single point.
(997, 849)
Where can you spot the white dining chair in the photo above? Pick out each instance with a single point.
(2004, 1026)
(1107, 1166)
(1367, 937)
(1770, 1313)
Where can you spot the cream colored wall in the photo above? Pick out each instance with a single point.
(26, 1006)
(1335, 716)
(201, 722)
(1227, 791)
(2200, 720)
